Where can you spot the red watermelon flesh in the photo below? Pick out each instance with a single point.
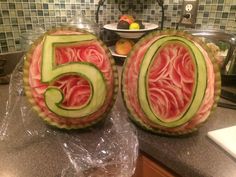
(170, 85)
(171, 81)
(76, 89)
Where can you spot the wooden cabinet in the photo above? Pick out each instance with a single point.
(147, 167)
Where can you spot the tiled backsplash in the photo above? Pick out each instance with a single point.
(20, 16)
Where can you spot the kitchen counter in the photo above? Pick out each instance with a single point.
(194, 155)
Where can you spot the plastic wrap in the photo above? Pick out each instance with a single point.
(107, 149)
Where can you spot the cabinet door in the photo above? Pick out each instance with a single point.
(148, 168)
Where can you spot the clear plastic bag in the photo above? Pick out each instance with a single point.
(79, 20)
(109, 149)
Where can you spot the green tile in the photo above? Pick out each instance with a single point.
(217, 21)
(51, 13)
(15, 27)
(228, 2)
(208, 1)
(12, 13)
(6, 21)
(4, 6)
(50, 6)
(206, 14)
(18, 5)
(9, 34)
(2, 41)
(39, 6)
(226, 8)
(34, 20)
(14, 21)
(11, 48)
(17, 41)
(222, 27)
(212, 14)
(232, 15)
(225, 15)
(4, 49)
(28, 20)
(33, 13)
(21, 20)
(218, 14)
(201, 7)
(233, 8)
(207, 8)
(20, 13)
(213, 7)
(8, 28)
(219, 7)
(45, 6)
(2, 36)
(32, 6)
(10, 42)
(29, 26)
(12, 5)
(26, 13)
(25, 6)
(5, 13)
(40, 13)
(211, 20)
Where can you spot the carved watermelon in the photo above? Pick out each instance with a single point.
(170, 82)
(70, 78)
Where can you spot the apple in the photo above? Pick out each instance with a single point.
(127, 18)
(123, 46)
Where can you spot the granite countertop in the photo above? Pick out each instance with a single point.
(194, 155)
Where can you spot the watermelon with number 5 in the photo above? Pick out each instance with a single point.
(70, 78)
(170, 82)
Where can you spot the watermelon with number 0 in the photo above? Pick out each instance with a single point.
(70, 78)
(170, 82)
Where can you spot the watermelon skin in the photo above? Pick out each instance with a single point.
(130, 76)
(75, 88)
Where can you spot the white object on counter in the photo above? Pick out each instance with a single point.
(226, 138)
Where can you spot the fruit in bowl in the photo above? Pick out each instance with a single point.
(134, 26)
(123, 46)
(123, 25)
(141, 25)
(129, 22)
(127, 18)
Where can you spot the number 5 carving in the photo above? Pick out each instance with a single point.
(51, 72)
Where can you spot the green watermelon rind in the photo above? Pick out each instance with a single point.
(133, 117)
(29, 95)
